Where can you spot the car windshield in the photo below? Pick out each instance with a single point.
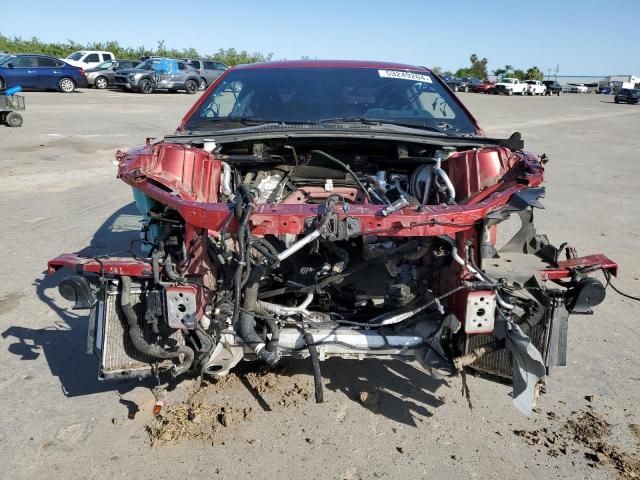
(329, 95)
(75, 56)
(5, 58)
(105, 65)
(508, 80)
(531, 82)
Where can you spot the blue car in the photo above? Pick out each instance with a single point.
(40, 72)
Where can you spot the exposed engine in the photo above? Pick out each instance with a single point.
(255, 250)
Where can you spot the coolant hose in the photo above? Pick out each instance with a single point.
(137, 337)
(247, 331)
(247, 323)
(315, 364)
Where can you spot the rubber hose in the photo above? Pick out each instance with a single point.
(247, 331)
(137, 337)
(315, 364)
(272, 344)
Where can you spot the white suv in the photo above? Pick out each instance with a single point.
(88, 58)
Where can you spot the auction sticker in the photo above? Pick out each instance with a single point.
(414, 77)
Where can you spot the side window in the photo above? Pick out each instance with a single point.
(195, 64)
(106, 56)
(93, 57)
(182, 66)
(24, 62)
(59, 64)
(220, 66)
(209, 65)
(46, 62)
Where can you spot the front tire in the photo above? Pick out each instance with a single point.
(66, 85)
(191, 86)
(145, 86)
(101, 83)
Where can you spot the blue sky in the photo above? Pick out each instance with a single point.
(584, 37)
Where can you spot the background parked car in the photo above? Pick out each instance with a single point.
(88, 58)
(452, 82)
(535, 87)
(509, 86)
(576, 88)
(485, 86)
(103, 75)
(40, 72)
(159, 74)
(552, 87)
(466, 84)
(627, 95)
(208, 69)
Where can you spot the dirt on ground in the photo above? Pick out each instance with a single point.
(588, 432)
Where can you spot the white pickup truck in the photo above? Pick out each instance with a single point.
(509, 86)
(535, 87)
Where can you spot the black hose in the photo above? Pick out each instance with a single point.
(243, 210)
(137, 337)
(272, 325)
(347, 168)
(247, 331)
(315, 364)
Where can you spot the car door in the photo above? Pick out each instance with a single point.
(181, 77)
(49, 72)
(22, 72)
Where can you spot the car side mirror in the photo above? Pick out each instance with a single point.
(10, 65)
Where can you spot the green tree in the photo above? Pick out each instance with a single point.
(499, 72)
(229, 56)
(478, 66)
(437, 71)
(534, 73)
(519, 74)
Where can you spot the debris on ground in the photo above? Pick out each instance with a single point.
(588, 431)
(193, 421)
(296, 394)
(194, 418)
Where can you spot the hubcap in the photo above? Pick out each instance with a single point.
(66, 85)
(101, 82)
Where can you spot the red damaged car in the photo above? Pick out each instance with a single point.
(329, 208)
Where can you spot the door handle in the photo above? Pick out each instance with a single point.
(32, 71)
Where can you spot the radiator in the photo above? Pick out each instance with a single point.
(119, 358)
(549, 337)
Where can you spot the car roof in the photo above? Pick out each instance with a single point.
(331, 64)
(32, 55)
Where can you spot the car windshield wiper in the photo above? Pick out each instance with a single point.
(380, 122)
(246, 121)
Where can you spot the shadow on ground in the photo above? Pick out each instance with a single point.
(64, 344)
(394, 389)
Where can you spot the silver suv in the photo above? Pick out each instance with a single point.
(208, 69)
(159, 74)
